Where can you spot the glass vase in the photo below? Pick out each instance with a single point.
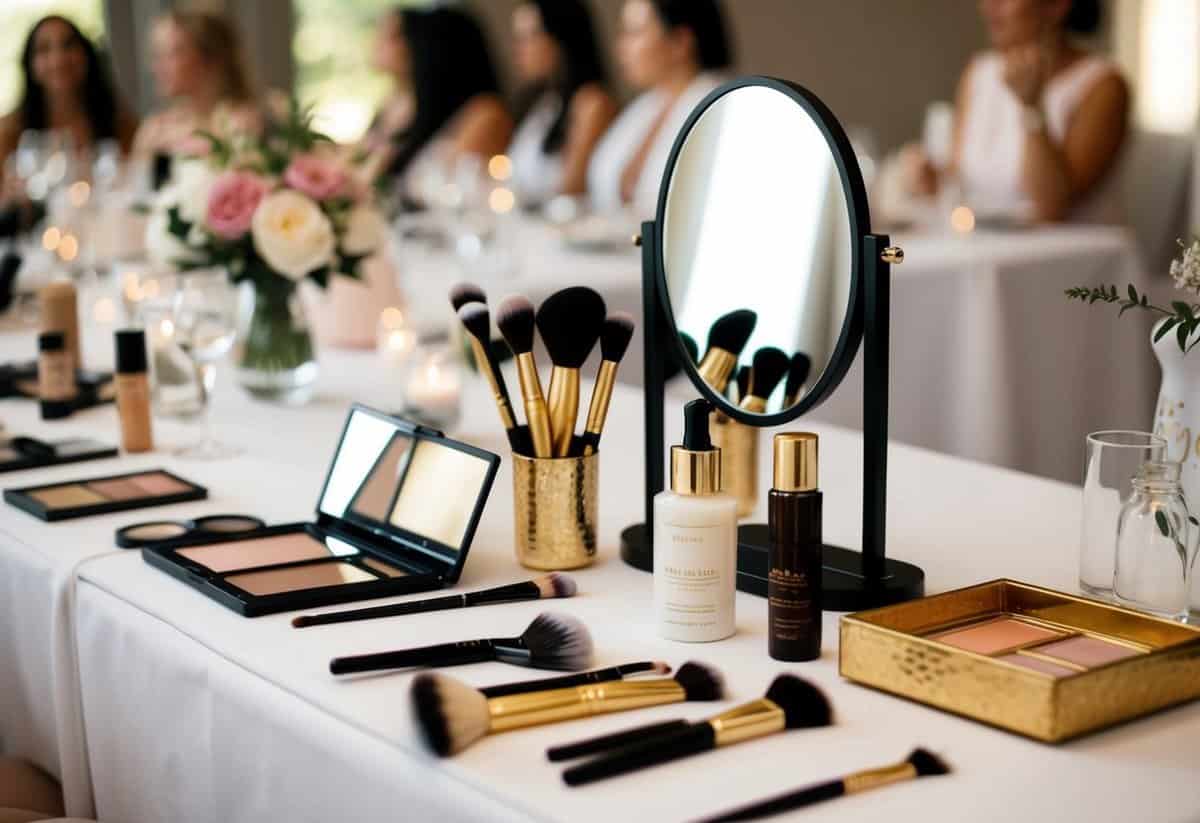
(275, 359)
(1154, 544)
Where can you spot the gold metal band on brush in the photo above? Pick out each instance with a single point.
(875, 778)
(484, 364)
(746, 722)
(716, 368)
(606, 378)
(563, 400)
(519, 711)
(754, 404)
(536, 414)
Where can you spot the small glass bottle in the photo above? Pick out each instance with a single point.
(1155, 544)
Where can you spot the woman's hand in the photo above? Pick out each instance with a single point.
(1026, 72)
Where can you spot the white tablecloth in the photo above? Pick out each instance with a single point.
(991, 362)
(193, 713)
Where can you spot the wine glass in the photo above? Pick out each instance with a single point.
(204, 314)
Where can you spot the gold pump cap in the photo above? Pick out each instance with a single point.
(795, 462)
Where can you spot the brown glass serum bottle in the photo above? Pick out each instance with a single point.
(794, 579)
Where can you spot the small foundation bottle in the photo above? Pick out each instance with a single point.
(58, 308)
(56, 376)
(133, 391)
(794, 577)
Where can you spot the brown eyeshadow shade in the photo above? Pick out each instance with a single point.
(159, 484)
(255, 552)
(995, 636)
(117, 489)
(67, 497)
(1087, 651)
(1038, 665)
(163, 530)
(295, 578)
(386, 569)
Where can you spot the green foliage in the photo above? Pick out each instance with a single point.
(1181, 317)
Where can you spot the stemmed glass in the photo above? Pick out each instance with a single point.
(204, 314)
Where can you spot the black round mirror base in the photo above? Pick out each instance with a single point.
(844, 586)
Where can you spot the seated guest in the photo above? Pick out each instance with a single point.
(565, 105)
(1039, 121)
(447, 103)
(672, 50)
(67, 91)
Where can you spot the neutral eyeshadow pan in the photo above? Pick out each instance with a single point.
(995, 636)
(1038, 665)
(1087, 651)
(120, 488)
(67, 497)
(160, 484)
(295, 578)
(255, 552)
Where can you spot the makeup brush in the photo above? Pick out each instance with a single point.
(614, 342)
(745, 373)
(581, 679)
(570, 322)
(552, 641)
(920, 763)
(798, 371)
(545, 587)
(515, 319)
(770, 365)
(790, 703)
(726, 339)
(673, 367)
(616, 740)
(453, 715)
(463, 293)
(477, 321)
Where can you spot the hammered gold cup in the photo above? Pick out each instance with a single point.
(556, 502)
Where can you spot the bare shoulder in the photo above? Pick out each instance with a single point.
(591, 100)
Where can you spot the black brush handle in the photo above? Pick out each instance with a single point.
(568, 681)
(783, 803)
(589, 442)
(616, 740)
(450, 601)
(694, 739)
(445, 654)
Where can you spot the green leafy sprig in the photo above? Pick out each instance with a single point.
(1182, 317)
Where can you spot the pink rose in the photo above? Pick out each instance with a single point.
(232, 201)
(318, 177)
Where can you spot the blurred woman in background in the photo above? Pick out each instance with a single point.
(673, 51)
(564, 106)
(447, 104)
(1039, 121)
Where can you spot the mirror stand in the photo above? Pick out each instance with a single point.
(852, 580)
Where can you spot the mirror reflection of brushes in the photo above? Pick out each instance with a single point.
(790, 703)
(515, 318)
(476, 319)
(798, 370)
(614, 342)
(726, 339)
(743, 383)
(570, 322)
(552, 641)
(672, 366)
(453, 715)
(770, 365)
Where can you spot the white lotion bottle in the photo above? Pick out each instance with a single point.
(695, 540)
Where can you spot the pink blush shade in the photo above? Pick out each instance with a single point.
(1038, 665)
(1087, 651)
(994, 636)
(158, 484)
(255, 552)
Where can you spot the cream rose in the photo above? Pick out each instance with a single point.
(364, 231)
(292, 234)
(190, 185)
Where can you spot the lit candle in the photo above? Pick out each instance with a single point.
(434, 390)
(395, 341)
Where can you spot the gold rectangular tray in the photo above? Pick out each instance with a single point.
(884, 648)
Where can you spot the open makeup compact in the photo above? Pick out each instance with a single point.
(397, 514)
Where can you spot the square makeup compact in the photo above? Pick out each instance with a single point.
(1045, 664)
(30, 453)
(397, 514)
(103, 495)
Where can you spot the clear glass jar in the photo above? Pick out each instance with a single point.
(1155, 544)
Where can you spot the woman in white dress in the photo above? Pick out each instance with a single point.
(564, 106)
(1039, 121)
(674, 51)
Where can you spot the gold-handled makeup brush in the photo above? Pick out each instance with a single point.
(614, 342)
(770, 365)
(570, 322)
(798, 371)
(726, 339)
(564, 681)
(920, 763)
(453, 715)
(552, 641)
(477, 321)
(790, 703)
(515, 320)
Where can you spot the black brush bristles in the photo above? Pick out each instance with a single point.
(556, 584)
(450, 714)
(515, 319)
(743, 382)
(770, 365)
(689, 345)
(927, 763)
(477, 320)
(804, 705)
(463, 293)
(558, 641)
(732, 330)
(570, 322)
(615, 336)
(700, 682)
(798, 371)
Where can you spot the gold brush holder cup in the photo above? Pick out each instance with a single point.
(739, 460)
(556, 501)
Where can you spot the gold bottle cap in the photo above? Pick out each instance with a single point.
(795, 462)
(695, 472)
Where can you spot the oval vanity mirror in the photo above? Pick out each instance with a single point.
(761, 219)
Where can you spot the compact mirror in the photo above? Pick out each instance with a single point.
(762, 215)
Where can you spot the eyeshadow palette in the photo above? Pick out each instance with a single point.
(156, 532)
(103, 495)
(28, 453)
(397, 514)
(1048, 665)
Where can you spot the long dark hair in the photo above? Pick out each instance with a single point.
(450, 65)
(99, 101)
(569, 25)
(1083, 17)
(707, 24)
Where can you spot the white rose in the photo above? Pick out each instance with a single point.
(162, 247)
(364, 231)
(191, 184)
(292, 234)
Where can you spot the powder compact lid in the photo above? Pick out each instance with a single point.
(406, 490)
